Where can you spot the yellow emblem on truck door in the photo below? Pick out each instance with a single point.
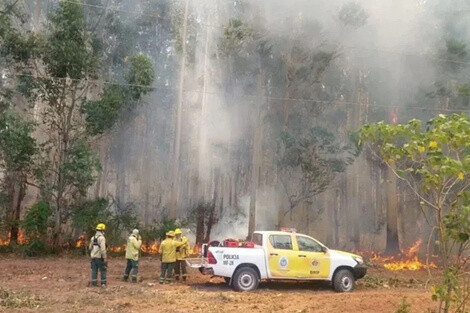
(316, 261)
(282, 258)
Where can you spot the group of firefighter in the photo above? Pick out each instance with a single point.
(173, 252)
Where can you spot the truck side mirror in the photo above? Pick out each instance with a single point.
(324, 249)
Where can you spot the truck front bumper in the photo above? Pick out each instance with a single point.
(360, 271)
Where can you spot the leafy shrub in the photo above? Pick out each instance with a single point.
(118, 220)
(16, 299)
(403, 307)
(35, 248)
(160, 228)
(36, 221)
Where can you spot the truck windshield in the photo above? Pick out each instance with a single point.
(307, 244)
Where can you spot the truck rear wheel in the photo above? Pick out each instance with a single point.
(245, 279)
(343, 281)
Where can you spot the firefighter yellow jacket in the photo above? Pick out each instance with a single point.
(133, 248)
(183, 251)
(98, 246)
(168, 249)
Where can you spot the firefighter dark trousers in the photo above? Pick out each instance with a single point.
(166, 273)
(131, 268)
(98, 265)
(180, 269)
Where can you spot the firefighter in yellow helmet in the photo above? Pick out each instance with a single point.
(181, 254)
(167, 252)
(99, 261)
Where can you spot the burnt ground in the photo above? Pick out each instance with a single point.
(60, 285)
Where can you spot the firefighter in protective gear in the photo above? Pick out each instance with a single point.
(132, 255)
(167, 252)
(181, 254)
(99, 261)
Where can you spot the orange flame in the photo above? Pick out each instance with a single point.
(21, 239)
(5, 242)
(406, 260)
(195, 250)
(151, 249)
(146, 248)
(80, 242)
(118, 249)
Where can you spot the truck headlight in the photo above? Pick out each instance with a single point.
(358, 259)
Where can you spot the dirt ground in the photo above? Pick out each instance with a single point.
(60, 285)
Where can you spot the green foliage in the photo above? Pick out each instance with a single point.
(36, 248)
(404, 306)
(158, 230)
(36, 221)
(79, 168)
(12, 44)
(102, 114)
(457, 225)
(121, 221)
(434, 161)
(454, 55)
(237, 35)
(68, 51)
(353, 14)
(17, 146)
(464, 90)
(309, 163)
(88, 214)
(5, 220)
(439, 155)
(140, 76)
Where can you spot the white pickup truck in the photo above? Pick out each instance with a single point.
(280, 255)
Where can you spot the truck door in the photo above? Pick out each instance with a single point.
(282, 258)
(315, 262)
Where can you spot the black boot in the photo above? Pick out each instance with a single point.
(125, 278)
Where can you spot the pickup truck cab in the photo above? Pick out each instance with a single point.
(278, 255)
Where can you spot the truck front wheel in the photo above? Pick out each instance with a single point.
(343, 281)
(245, 279)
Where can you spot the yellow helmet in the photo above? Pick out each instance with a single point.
(170, 233)
(178, 231)
(100, 226)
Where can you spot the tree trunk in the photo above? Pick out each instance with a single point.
(210, 223)
(256, 159)
(179, 109)
(17, 211)
(392, 213)
(16, 195)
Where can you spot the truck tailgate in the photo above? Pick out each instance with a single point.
(196, 262)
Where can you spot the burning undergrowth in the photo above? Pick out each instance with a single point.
(407, 259)
(22, 239)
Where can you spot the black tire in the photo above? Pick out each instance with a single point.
(343, 281)
(245, 279)
(227, 280)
